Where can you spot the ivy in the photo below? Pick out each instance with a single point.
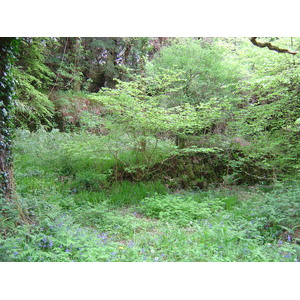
(8, 48)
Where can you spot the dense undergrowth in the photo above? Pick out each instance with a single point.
(72, 206)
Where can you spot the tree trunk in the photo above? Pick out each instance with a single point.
(7, 50)
(180, 142)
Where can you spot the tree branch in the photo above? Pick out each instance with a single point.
(270, 46)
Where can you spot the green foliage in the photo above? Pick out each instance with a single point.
(182, 210)
(111, 188)
(269, 95)
(32, 105)
(131, 104)
(73, 111)
(282, 207)
(58, 160)
(82, 225)
(126, 192)
(9, 216)
(204, 68)
(56, 237)
(144, 118)
(68, 63)
(99, 232)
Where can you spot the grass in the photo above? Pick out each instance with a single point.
(78, 216)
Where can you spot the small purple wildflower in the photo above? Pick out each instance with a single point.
(102, 236)
(131, 244)
(280, 242)
(289, 238)
(68, 250)
(16, 253)
(114, 253)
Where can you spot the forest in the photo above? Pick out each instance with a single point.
(150, 149)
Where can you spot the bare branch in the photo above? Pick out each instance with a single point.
(270, 46)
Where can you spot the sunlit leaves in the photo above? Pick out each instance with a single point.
(205, 69)
(133, 107)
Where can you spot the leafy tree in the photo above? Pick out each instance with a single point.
(135, 108)
(48, 66)
(268, 106)
(206, 71)
(270, 97)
